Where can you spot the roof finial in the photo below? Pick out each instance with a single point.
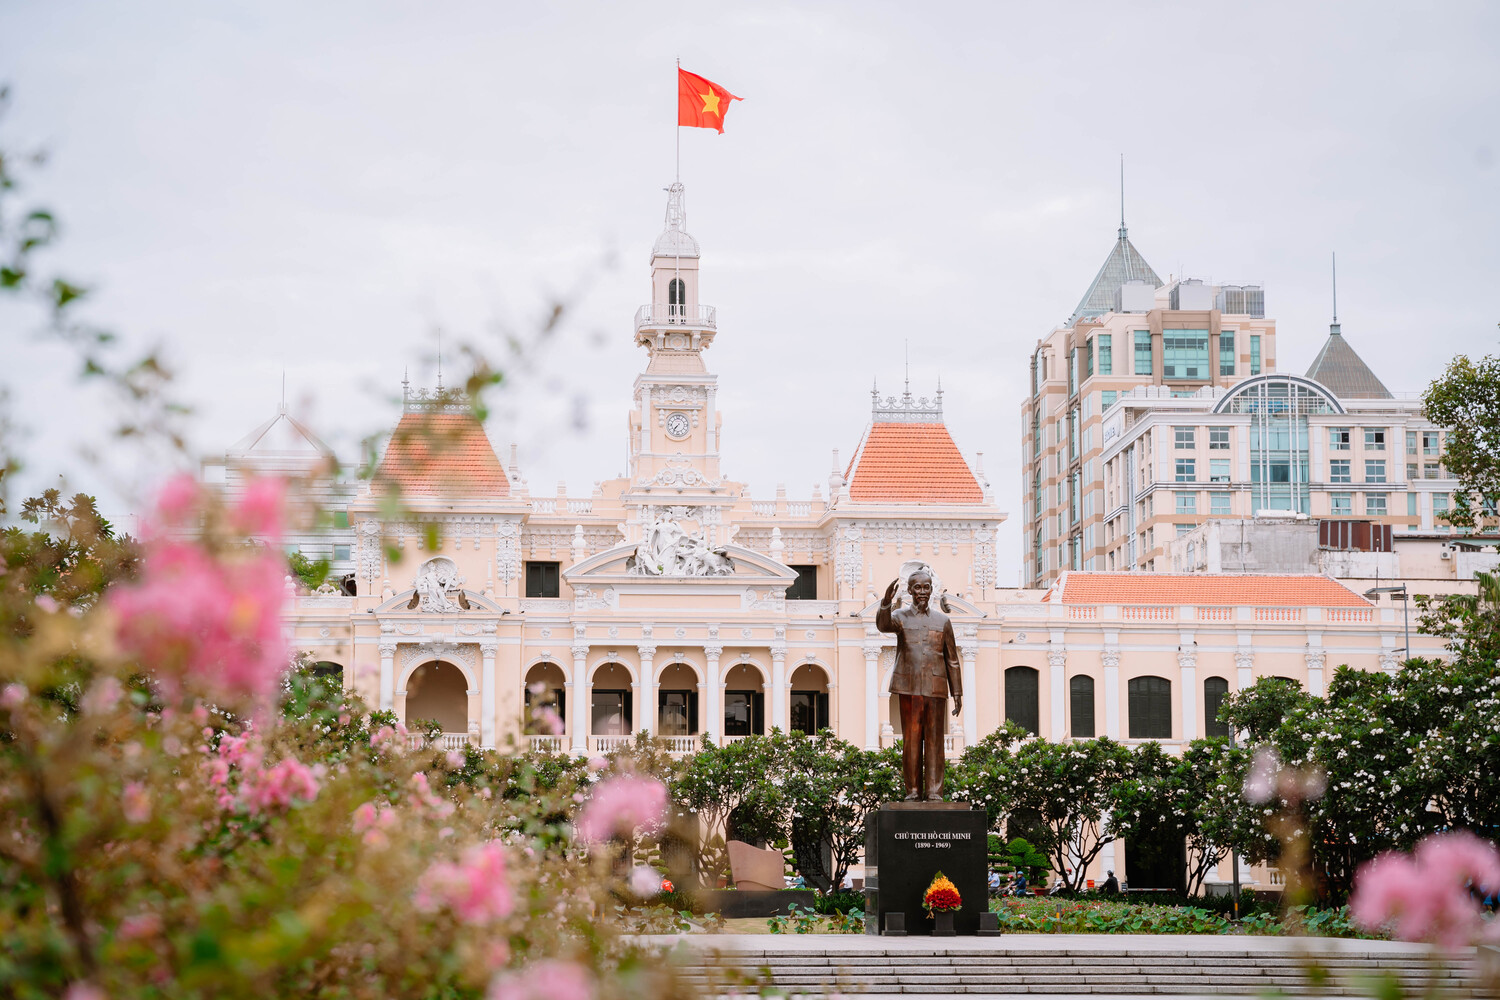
(1333, 328)
(440, 359)
(908, 368)
(1122, 196)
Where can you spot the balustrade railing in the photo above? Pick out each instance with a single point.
(669, 314)
(1215, 614)
(443, 741)
(609, 744)
(547, 744)
(799, 508)
(1278, 614)
(681, 744)
(1350, 616)
(1145, 613)
(763, 508)
(953, 744)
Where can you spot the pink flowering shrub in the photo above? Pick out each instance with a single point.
(476, 889)
(208, 619)
(1425, 896)
(622, 805)
(547, 980)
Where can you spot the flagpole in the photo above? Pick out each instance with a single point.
(678, 126)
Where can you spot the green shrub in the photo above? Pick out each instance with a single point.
(843, 901)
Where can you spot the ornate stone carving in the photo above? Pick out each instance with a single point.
(667, 550)
(369, 551)
(552, 605)
(1244, 658)
(850, 562)
(646, 651)
(713, 652)
(1057, 658)
(1187, 657)
(682, 474)
(387, 649)
(1316, 657)
(508, 550)
(1110, 657)
(580, 651)
(465, 653)
(436, 587)
(587, 600)
(775, 600)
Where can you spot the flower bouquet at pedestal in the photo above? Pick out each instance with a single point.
(941, 901)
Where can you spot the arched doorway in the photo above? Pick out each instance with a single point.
(744, 701)
(809, 702)
(545, 688)
(677, 701)
(438, 691)
(612, 712)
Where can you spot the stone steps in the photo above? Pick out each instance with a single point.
(995, 971)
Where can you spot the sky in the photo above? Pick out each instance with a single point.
(311, 191)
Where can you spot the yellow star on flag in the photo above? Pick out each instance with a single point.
(710, 102)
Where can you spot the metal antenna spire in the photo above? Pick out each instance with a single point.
(908, 367)
(440, 359)
(283, 390)
(678, 128)
(1333, 328)
(1122, 196)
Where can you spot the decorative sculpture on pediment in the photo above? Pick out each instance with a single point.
(436, 587)
(508, 550)
(667, 550)
(681, 474)
(680, 394)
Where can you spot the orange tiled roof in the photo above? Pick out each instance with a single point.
(437, 454)
(1204, 588)
(911, 463)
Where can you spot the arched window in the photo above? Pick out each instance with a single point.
(1081, 694)
(676, 297)
(1150, 708)
(1021, 699)
(1215, 690)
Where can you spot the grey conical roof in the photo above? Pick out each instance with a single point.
(1344, 372)
(1123, 264)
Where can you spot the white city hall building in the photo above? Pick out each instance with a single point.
(671, 601)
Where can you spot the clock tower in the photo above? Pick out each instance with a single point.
(674, 427)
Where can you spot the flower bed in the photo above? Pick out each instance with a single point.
(1051, 916)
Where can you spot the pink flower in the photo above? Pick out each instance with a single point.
(644, 881)
(178, 501)
(620, 805)
(550, 979)
(138, 926)
(597, 763)
(46, 602)
(548, 721)
(210, 621)
(279, 786)
(389, 737)
(258, 513)
(455, 759)
(102, 697)
(475, 888)
(84, 991)
(1425, 894)
(135, 802)
(12, 696)
(1260, 783)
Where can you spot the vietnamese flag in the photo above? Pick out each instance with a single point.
(701, 103)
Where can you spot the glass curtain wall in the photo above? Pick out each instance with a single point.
(1278, 410)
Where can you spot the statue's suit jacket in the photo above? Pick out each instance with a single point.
(926, 653)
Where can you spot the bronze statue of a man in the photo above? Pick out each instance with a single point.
(927, 671)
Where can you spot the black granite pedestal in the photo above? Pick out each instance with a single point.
(906, 845)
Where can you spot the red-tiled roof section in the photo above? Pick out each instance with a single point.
(1206, 589)
(443, 454)
(911, 463)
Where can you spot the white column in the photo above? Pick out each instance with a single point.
(579, 697)
(1315, 658)
(779, 716)
(1057, 671)
(970, 653)
(872, 697)
(387, 676)
(1187, 669)
(1106, 857)
(1244, 666)
(713, 702)
(645, 709)
(1111, 661)
(487, 693)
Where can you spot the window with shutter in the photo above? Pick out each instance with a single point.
(1021, 699)
(1081, 693)
(1150, 708)
(1215, 690)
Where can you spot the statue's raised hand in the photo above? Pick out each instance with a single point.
(890, 593)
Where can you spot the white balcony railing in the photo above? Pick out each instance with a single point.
(443, 741)
(610, 744)
(681, 744)
(698, 317)
(953, 744)
(547, 744)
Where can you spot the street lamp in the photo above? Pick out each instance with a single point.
(1405, 610)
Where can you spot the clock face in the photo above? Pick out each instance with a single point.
(678, 425)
